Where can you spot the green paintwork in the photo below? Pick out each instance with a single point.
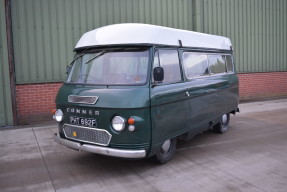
(169, 112)
(109, 97)
(174, 113)
(161, 111)
(125, 101)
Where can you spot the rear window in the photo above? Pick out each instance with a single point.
(216, 64)
(229, 64)
(198, 64)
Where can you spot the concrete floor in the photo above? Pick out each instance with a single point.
(251, 156)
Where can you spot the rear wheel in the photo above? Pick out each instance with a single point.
(223, 125)
(166, 152)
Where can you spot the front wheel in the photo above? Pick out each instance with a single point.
(223, 125)
(166, 152)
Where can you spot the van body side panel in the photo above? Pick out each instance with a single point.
(231, 93)
(210, 98)
(169, 113)
(201, 102)
(123, 101)
(174, 113)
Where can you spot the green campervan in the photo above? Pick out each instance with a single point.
(133, 89)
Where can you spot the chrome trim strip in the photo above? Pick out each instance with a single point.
(87, 128)
(83, 99)
(134, 154)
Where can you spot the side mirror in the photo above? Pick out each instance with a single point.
(68, 69)
(158, 74)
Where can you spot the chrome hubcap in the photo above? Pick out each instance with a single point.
(166, 146)
(224, 119)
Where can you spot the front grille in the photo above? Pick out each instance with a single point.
(88, 135)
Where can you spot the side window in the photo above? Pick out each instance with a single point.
(229, 64)
(195, 65)
(168, 60)
(216, 64)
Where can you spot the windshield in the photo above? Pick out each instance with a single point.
(110, 67)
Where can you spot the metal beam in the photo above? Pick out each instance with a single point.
(11, 59)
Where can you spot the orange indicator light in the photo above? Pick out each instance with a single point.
(74, 133)
(53, 111)
(131, 121)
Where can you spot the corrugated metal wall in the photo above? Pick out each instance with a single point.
(257, 28)
(46, 31)
(6, 116)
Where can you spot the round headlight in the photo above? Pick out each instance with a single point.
(58, 116)
(118, 123)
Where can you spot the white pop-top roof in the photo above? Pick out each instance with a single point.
(132, 33)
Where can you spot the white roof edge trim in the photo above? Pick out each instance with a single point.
(136, 33)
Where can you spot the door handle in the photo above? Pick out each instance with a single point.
(187, 93)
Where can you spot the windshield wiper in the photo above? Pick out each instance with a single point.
(77, 58)
(98, 55)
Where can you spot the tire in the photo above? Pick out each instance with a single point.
(223, 125)
(167, 151)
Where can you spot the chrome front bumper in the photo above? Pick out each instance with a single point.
(133, 154)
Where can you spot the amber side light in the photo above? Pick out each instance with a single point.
(131, 121)
(53, 111)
